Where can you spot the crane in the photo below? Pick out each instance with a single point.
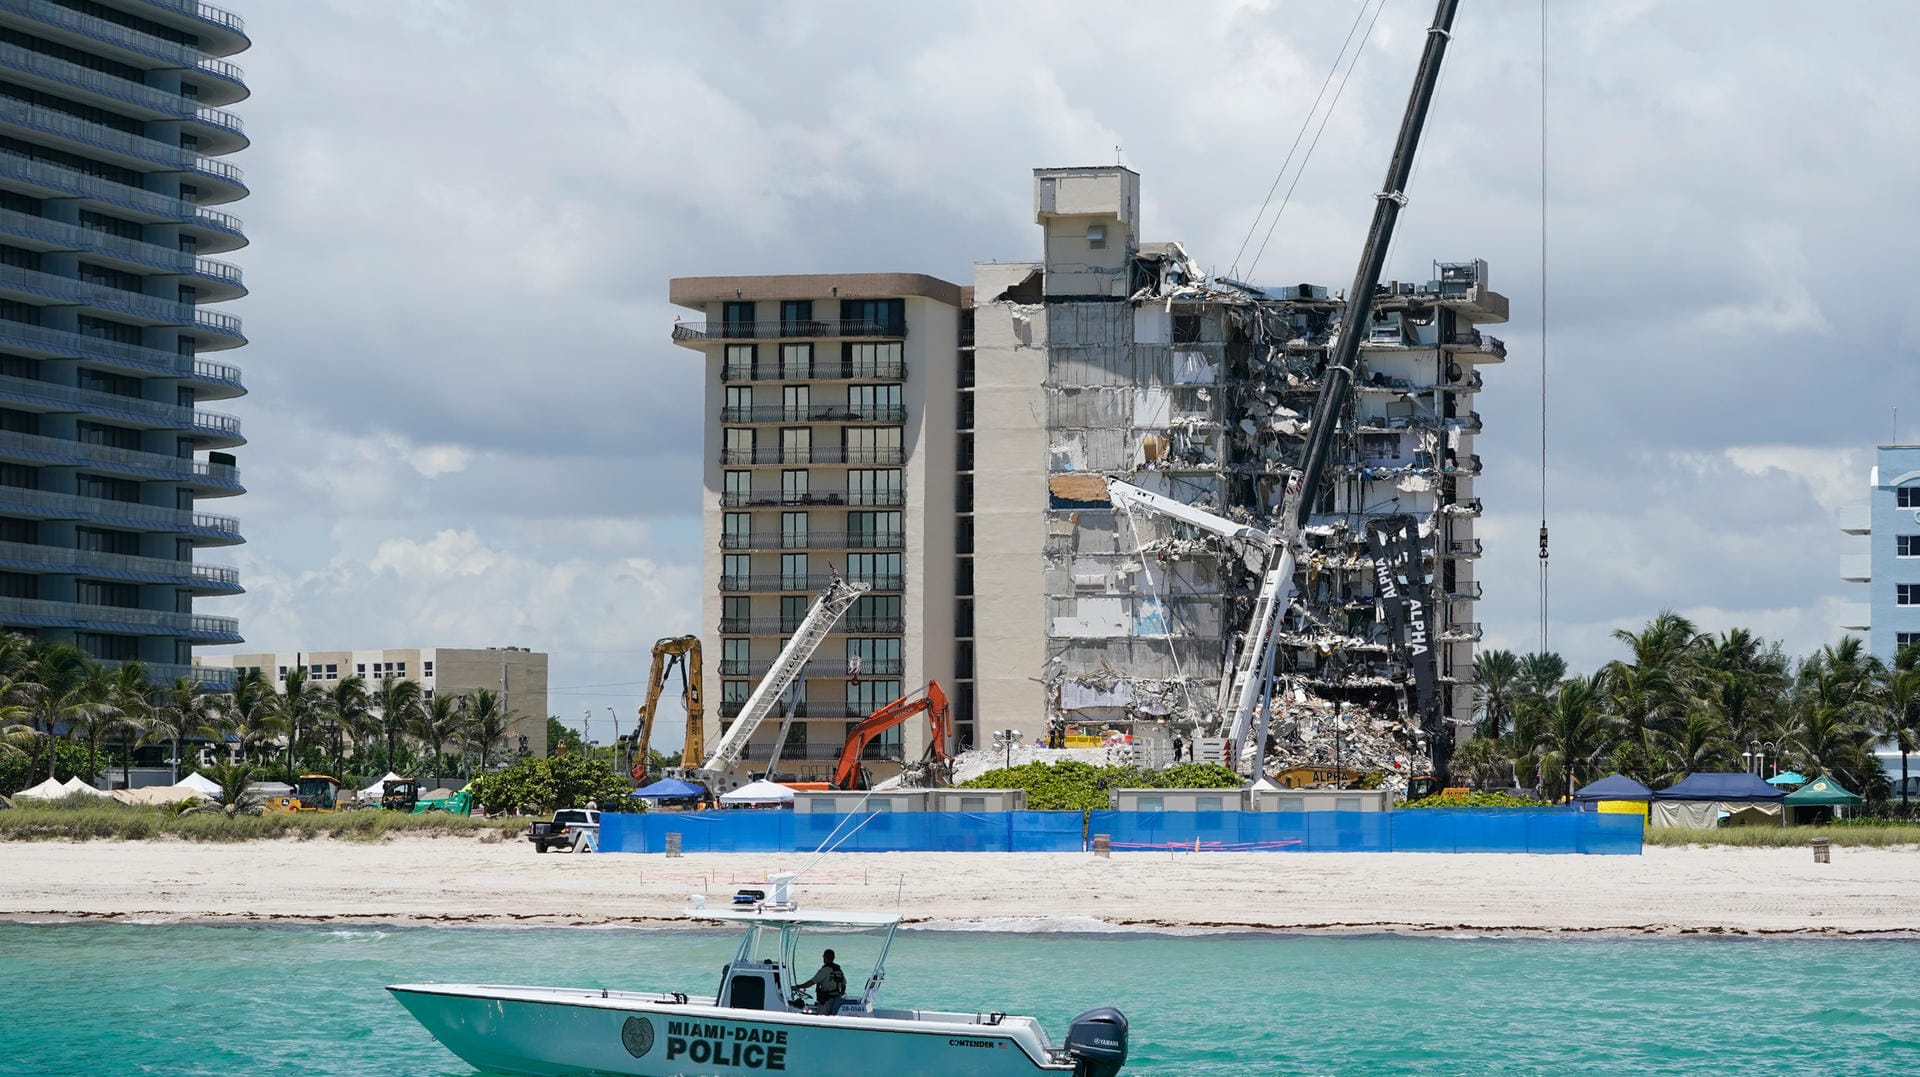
(834, 600)
(1252, 677)
(931, 699)
(670, 653)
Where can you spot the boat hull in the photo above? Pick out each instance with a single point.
(552, 1032)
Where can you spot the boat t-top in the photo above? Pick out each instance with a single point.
(757, 1022)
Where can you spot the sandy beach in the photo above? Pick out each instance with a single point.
(462, 881)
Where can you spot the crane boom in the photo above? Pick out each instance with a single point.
(1126, 495)
(834, 601)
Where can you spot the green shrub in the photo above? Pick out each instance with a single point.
(1477, 800)
(563, 781)
(1074, 786)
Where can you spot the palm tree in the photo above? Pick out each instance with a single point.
(1832, 731)
(233, 780)
(1540, 673)
(347, 700)
(1495, 675)
(398, 701)
(130, 696)
(302, 705)
(184, 708)
(249, 712)
(1700, 745)
(51, 682)
(438, 723)
(1642, 702)
(486, 723)
(1574, 732)
(1899, 705)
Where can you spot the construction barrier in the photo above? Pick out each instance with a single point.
(1435, 830)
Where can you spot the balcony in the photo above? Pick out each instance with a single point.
(209, 529)
(818, 370)
(66, 399)
(808, 457)
(774, 581)
(815, 540)
(1468, 508)
(213, 678)
(761, 499)
(1856, 520)
(1462, 549)
(1472, 466)
(132, 150)
(811, 329)
(205, 579)
(129, 463)
(1467, 424)
(1856, 617)
(223, 381)
(55, 181)
(779, 626)
(37, 613)
(1462, 632)
(816, 413)
(1474, 342)
(135, 41)
(223, 279)
(159, 104)
(1471, 591)
(818, 669)
(1856, 568)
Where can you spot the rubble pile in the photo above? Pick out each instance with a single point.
(1305, 730)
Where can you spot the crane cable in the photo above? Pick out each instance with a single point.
(1543, 326)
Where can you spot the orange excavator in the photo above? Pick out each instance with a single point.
(849, 774)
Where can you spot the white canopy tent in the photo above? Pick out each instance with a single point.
(200, 783)
(760, 792)
(47, 790)
(378, 789)
(157, 794)
(75, 785)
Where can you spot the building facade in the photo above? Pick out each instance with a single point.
(831, 407)
(517, 674)
(113, 132)
(1890, 521)
(1114, 358)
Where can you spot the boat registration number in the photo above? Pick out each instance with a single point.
(744, 1046)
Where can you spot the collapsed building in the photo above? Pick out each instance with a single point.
(1114, 358)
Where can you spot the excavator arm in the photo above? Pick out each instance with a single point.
(674, 651)
(931, 700)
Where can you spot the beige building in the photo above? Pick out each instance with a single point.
(831, 409)
(519, 675)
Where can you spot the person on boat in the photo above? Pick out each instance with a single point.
(829, 984)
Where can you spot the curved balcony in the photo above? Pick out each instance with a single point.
(816, 413)
(819, 668)
(217, 381)
(222, 231)
(215, 280)
(134, 151)
(220, 330)
(220, 31)
(219, 131)
(202, 579)
(215, 480)
(814, 581)
(214, 430)
(205, 529)
(815, 540)
(210, 678)
(225, 84)
(808, 457)
(39, 613)
(777, 626)
(835, 496)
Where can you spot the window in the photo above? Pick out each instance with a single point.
(1908, 497)
(122, 490)
(870, 695)
(873, 528)
(793, 530)
(739, 404)
(793, 610)
(871, 444)
(871, 487)
(796, 361)
(733, 569)
(874, 402)
(360, 669)
(739, 487)
(27, 478)
(973, 803)
(793, 572)
(873, 361)
(880, 569)
(873, 317)
(1293, 803)
(1907, 545)
(796, 445)
(821, 805)
(876, 657)
(426, 668)
(736, 528)
(793, 488)
(795, 317)
(874, 613)
(111, 648)
(99, 540)
(737, 318)
(1147, 803)
(1907, 594)
(1346, 803)
(1207, 803)
(735, 656)
(794, 400)
(739, 444)
(333, 671)
(1903, 640)
(102, 593)
(19, 585)
(735, 693)
(738, 364)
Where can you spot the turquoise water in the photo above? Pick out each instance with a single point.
(101, 1000)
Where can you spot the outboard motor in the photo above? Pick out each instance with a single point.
(1097, 1042)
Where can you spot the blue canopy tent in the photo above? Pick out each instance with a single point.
(668, 789)
(1701, 801)
(1628, 796)
(1792, 777)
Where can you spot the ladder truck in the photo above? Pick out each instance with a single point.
(1252, 676)
(835, 599)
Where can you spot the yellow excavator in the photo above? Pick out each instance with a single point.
(682, 652)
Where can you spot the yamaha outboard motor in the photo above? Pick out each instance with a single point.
(1097, 1042)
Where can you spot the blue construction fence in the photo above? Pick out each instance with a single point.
(1426, 830)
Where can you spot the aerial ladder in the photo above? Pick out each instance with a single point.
(1252, 677)
(849, 774)
(669, 654)
(834, 601)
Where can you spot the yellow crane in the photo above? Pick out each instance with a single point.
(682, 652)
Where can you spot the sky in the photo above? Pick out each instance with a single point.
(468, 427)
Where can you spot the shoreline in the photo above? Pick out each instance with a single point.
(432, 881)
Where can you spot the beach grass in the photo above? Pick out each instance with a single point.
(118, 822)
(1866, 833)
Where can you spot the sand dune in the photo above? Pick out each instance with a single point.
(458, 880)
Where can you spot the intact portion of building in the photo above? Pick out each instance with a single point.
(1890, 520)
(518, 675)
(113, 132)
(830, 448)
(1111, 357)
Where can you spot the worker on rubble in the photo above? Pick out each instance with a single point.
(829, 984)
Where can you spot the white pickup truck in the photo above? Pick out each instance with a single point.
(567, 830)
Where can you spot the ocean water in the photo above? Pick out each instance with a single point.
(105, 1000)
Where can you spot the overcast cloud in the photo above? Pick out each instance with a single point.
(468, 426)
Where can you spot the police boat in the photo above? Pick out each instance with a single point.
(758, 1022)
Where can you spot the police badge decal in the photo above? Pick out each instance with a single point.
(637, 1036)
